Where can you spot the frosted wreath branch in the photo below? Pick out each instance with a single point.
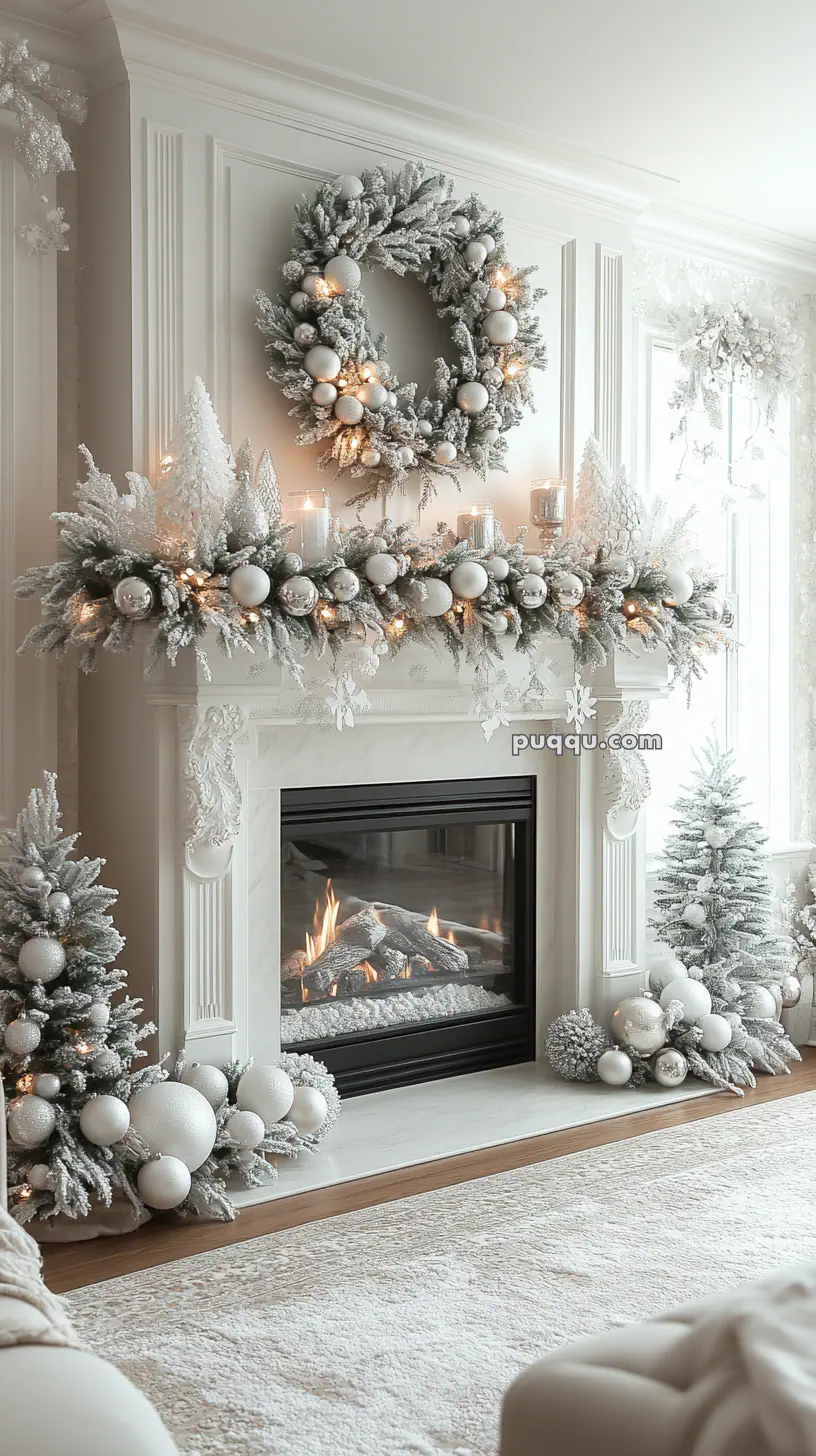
(26, 82)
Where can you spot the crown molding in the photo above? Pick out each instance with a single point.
(734, 243)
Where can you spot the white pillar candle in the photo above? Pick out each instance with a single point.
(310, 514)
(548, 507)
(478, 527)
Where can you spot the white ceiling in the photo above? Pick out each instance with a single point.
(717, 94)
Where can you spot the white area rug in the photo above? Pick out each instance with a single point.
(394, 1331)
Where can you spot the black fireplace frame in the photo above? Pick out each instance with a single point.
(395, 1056)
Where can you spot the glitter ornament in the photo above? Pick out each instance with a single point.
(22, 1037)
(59, 903)
(493, 376)
(695, 915)
(305, 335)
(614, 1067)
(663, 970)
(134, 598)
(98, 1014)
(174, 1119)
(31, 878)
(40, 1177)
(249, 585)
(298, 596)
(31, 1121)
(425, 429)
(245, 1128)
(429, 596)
(41, 959)
(373, 395)
(670, 1068)
(209, 1081)
(692, 995)
(267, 1091)
(47, 1085)
(313, 284)
(342, 274)
(382, 569)
(639, 1024)
(299, 302)
(104, 1120)
(348, 410)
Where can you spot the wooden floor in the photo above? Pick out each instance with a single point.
(70, 1266)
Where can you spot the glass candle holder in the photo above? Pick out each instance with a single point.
(548, 508)
(310, 514)
(478, 527)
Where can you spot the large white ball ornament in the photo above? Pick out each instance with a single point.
(348, 410)
(298, 596)
(373, 394)
(382, 569)
(498, 567)
(134, 598)
(324, 394)
(104, 1120)
(568, 589)
(670, 1068)
(468, 580)
(460, 225)
(614, 1067)
(350, 187)
(41, 959)
(716, 1031)
(436, 600)
(692, 995)
(530, 591)
(500, 327)
(249, 585)
(405, 455)
(496, 299)
(267, 1091)
(174, 1119)
(342, 274)
(445, 453)
(22, 1037)
(760, 1002)
(425, 429)
(164, 1182)
(663, 970)
(246, 1129)
(31, 878)
(716, 836)
(31, 1121)
(534, 564)
(322, 363)
(370, 457)
(47, 1085)
(488, 242)
(639, 1023)
(40, 1177)
(344, 584)
(209, 1081)
(309, 1109)
(694, 915)
(476, 253)
(679, 587)
(472, 397)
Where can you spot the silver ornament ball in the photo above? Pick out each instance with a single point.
(348, 410)
(373, 395)
(670, 1068)
(47, 1085)
(292, 563)
(344, 584)
(568, 589)
(22, 1037)
(298, 596)
(134, 598)
(41, 958)
(31, 1121)
(59, 903)
(694, 915)
(639, 1023)
(425, 429)
(614, 1067)
(493, 376)
(460, 225)
(324, 395)
(791, 988)
(530, 591)
(472, 397)
(305, 335)
(370, 457)
(31, 878)
(299, 302)
(40, 1177)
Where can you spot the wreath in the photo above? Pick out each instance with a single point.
(325, 358)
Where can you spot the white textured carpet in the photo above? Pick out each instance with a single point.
(394, 1331)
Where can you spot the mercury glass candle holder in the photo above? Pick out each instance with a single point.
(478, 526)
(548, 508)
(310, 514)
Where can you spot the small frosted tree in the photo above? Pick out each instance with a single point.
(200, 475)
(715, 908)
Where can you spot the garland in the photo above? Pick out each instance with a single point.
(326, 359)
(26, 89)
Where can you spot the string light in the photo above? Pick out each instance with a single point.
(165, 464)
(328, 614)
(631, 610)
(84, 1047)
(252, 617)
(397, 626)
(25, 1084)
(25, 1192)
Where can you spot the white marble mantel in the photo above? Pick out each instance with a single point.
(182, 794)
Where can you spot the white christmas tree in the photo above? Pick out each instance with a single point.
(608, 510)
(200, 476)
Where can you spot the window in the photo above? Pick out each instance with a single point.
(738, 479)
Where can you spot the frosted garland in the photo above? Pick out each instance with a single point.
(25, 83)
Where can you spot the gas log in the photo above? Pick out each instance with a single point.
(388, 962)
(442, 954)
(364, 928)
(335, 960)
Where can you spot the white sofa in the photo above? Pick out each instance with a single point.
(56, 1399)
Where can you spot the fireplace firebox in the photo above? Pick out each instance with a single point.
(407, 928)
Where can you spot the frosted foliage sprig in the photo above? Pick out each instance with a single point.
(573, 1045)
(720, 346)
(25, 83)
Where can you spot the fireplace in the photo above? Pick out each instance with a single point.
(407, 932)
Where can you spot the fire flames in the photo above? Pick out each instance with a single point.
(432, 923)
(325, 926)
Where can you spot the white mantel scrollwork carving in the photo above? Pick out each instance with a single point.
(212, 793)
(626, 780)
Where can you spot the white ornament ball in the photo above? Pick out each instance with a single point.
(692, 995)
(694, 915)
(436, 601)
(670, 1068)
(472, 397)
(476, 253)
(134, 598)
(679, 587)
(299, 302)
(468, 580)
(39, 1177)
(370, 457)
(716, 1031)
(59, 903)
(348, 410)
(249, 585)
(22, 1037)
(104, 1120)
(41, 959)
(174, 1119)
(535, 564)
(791, 988)
(392, 399)
(663, 970)
(460, 225)
(106, 1062)
(209, 1081)
(425, 429)
(324, 394)
(498, 567)
(164, 1182)
(322, 363)
(267, 1091)
(373, 394)
(759, 1002)
(530, 591)
(714, 799)
(309, 1109)
(350, 187)
(445, 453)
(568, 589)
(713, 608)
(31, 1121)
(716, 836)
(292, 563)
(500, 327)
(382, 569)
(497, 623)
(705, 885)
(639, 1023)
(378, 543)
(47, 1085)
(246, 1129)
(488, 242)
(305, 335)
(342, 274)
(614, 1067)
(496, 299)
(31, 878)
(298, 596)
(310, 283)
(98, 1015)
(493, 376)
(405, 455)
(344, 584)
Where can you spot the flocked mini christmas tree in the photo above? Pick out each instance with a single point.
(68, 1055)
(715, 909)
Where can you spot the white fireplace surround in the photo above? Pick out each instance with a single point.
(192, 827)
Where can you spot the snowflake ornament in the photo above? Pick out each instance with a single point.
(344, 700)
(580, 703)
(49, 232)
